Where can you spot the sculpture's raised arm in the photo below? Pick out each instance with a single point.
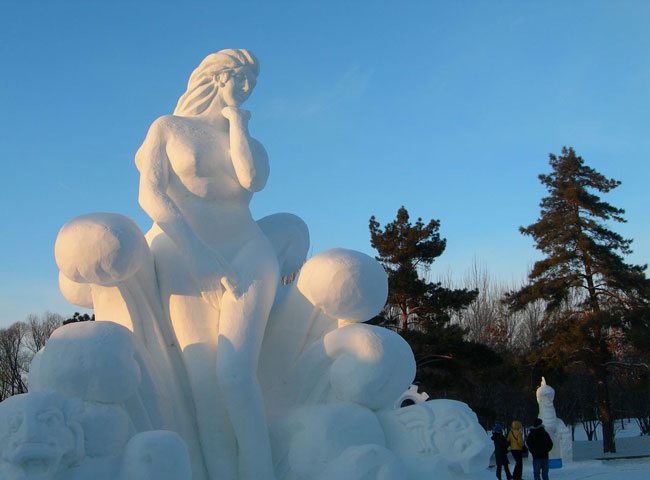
(248, 155)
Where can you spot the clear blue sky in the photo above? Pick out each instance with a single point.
(449, 108)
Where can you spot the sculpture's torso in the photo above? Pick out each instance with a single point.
(204, 185)
(199, 155)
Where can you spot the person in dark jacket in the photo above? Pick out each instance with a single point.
(500, 451)
(539, 444)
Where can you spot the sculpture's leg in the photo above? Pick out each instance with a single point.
(241, 330)
(217, 437)
(196, 325)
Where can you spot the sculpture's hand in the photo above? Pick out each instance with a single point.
(231, 284)
(212, 272)
(234, 114)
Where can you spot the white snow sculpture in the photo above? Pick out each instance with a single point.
(559, 432)
(40, 435)
(217, 271)
(438, 439)
(102, 363)
(100, 373)
(207, 361)
(314, 350)
(104, 260)
(155, 456)
(311, 441)
(437, 436)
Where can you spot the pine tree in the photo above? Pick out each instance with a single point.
(592, 296)
(418, 309)
(407, 251)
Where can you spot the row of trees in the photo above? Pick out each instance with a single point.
(20, 342)
(581, 318)
(18, 345)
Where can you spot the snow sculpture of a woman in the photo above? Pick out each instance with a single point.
(216, 270)
(562, 445)
(189, 306)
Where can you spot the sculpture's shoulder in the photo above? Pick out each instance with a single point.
(167, 124)
(161, 130)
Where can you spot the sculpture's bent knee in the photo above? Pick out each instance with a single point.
(289, 237)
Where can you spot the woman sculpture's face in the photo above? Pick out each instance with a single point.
(235, 86)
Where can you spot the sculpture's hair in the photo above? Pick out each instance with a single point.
(203, 85)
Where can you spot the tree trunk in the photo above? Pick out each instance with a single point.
(404, 325)
(605, 410)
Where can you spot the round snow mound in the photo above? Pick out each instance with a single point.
(346, 284)
(100, 248)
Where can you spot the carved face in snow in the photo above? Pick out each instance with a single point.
(40, 433)
(458, 436)
(236, 86)
(440, 431)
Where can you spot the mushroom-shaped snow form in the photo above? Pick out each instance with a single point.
(346, 284)
(94, 361)
(289, 237)
(100, 248)
(76, 293)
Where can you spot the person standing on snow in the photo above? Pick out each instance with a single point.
(516, 439)
(539, 444)
(500, 451)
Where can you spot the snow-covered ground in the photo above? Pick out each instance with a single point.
(597, 470)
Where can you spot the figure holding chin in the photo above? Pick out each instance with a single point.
(216, 270)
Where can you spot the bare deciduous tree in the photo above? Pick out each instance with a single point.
(40, 329)
(13, 360)
(18, 345)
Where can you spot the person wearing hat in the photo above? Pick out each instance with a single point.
(516, 439)
(539, 444)
(500, 451)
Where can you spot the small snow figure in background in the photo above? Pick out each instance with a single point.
(500, 451)
(539, 444)
(555, 427)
